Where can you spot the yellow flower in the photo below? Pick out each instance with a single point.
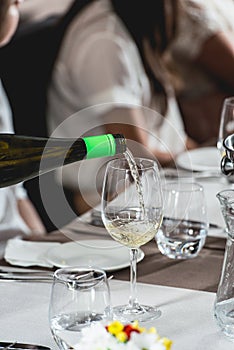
(122, 337)
(152, 330)
(115, 327)
(167, 343)
(135, 325)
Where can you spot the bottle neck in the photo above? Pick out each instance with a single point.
(104, 145)
(120, 141)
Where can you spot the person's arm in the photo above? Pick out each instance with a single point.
(206, 37)
(109, 77)
(108, 71)
(132, 123)
(217, 57)
(30, 216)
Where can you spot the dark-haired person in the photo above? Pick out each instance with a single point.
(17, 213)
(112, 57)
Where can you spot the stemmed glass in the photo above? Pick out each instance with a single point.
(226, 126)
(132, 214)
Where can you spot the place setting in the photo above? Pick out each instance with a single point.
(205, 161)
(105, 253)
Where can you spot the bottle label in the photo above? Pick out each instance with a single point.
(100, 146)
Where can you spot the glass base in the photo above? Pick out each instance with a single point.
(141, 313)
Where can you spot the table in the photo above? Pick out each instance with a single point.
(201, 273)
(187, 316)
(183, 289)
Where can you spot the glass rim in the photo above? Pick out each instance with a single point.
(221, 195)
(151, 163)
(61, 274)
(182, 187)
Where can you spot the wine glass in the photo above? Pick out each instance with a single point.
(226, 126)
(132, 209)
(80, 296)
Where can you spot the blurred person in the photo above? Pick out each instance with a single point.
(203, 61)
(36, 10)
(112, 57)
(16, 210)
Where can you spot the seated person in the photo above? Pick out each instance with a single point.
(16, 210)
(109, 77)
(203, 60)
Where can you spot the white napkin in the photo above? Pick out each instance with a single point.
(25, 253)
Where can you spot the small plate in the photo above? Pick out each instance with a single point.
(201, 159)
(91, 252)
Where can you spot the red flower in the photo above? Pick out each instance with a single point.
(128, 329)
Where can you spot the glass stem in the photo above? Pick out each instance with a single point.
(133, 275)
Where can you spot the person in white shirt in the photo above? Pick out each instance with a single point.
(114, 78)
(17, 213)
(203, 58)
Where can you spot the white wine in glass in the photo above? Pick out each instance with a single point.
(132, 209)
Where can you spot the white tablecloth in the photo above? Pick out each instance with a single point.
(211, 188)
(187, 316)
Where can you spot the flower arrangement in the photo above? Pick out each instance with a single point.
(117, 336)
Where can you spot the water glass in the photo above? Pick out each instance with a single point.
(79, 297)
(184, 229)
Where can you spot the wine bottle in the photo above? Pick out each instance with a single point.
(25, 157)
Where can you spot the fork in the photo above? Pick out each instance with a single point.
(17, 274)
(23, 278)
(9, 346)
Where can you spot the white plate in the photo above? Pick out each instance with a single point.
(91, 252)
(201, 159)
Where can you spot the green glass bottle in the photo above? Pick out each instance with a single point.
(25, 157)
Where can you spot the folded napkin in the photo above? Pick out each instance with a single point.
(25, 253)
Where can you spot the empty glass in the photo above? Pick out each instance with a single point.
(79, 297)
(184, 229)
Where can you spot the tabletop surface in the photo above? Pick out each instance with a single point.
(200, 273)
(183, 289)
(187, 315)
